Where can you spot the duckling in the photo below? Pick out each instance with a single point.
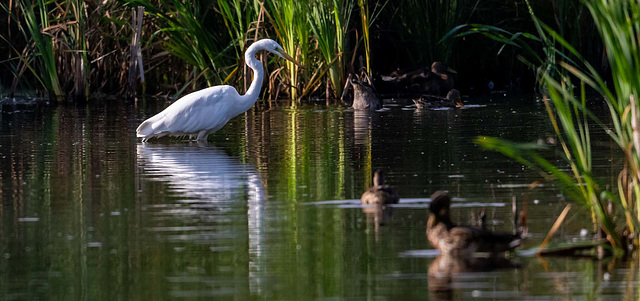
(364, 94)
(453, 100)
(379, 193)
(462, 241)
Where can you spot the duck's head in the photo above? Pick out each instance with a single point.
(378, 177)
(439, 67)
(455, 97)
(440, 203)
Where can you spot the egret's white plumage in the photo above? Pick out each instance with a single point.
(203, 112)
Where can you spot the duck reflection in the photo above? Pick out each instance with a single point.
(444, 270)
(363, 121)
(212, 199)
(378, 213)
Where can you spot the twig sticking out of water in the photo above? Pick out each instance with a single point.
(555, 227)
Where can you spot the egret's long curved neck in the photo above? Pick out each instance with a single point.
(258, 75)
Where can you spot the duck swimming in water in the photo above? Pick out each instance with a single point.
(453, 100)
(365, 96)
(462, 241)
(379, 193)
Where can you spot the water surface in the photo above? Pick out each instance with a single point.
(269, 209)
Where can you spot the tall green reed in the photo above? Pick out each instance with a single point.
(239, 16)
(200, 44)
(39, 57)
(570, 123)
(365, 22)
(367, 19)
(617, 23)
(329, 22)
(58, 35)
(79, 60)
(289, 21)
(197, 43)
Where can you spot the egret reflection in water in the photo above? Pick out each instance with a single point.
(200, 172)
(216, 192)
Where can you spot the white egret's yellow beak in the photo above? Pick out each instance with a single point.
(289, 58)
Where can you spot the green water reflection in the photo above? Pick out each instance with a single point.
(90, 213)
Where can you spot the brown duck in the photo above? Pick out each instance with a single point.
(453, 100)
(379, 193)
(462, 241)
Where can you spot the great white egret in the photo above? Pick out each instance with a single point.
(203, 112)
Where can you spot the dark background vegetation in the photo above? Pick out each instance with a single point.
(404, 35)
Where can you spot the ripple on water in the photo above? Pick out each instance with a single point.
(430, 253)
(405, 203)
